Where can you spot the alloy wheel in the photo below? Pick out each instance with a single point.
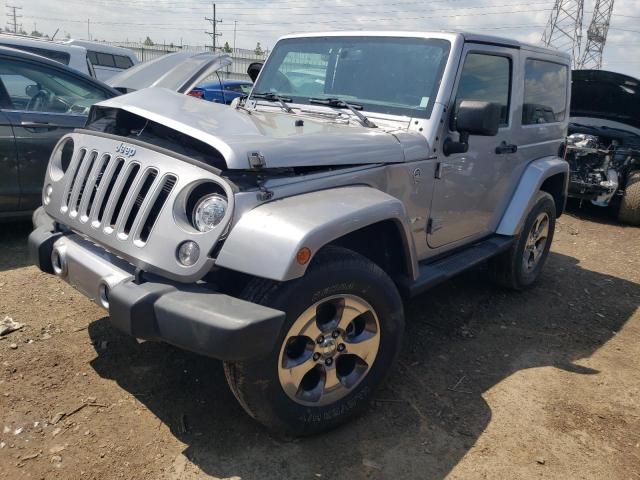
(329, 350)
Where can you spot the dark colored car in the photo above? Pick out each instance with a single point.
(224, 91)
(603, 148)
(41, 100)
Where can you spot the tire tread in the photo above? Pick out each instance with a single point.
(630, 206)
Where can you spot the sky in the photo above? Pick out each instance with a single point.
(183, 21)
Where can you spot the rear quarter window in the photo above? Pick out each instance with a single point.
(545, 92)
(123, 61)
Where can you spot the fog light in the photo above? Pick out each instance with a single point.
(48, 190)
(188, 253)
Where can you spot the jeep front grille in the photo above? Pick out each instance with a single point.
(133, 205)
(116, 195)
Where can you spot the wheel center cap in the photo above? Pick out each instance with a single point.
(328, 347)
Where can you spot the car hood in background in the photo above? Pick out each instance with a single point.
(277, 137)
(608, 95)
(179, 72)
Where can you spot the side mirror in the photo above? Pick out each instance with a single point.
(31, 90)
(473, 118)
(254, 70)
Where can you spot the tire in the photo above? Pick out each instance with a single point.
(508, 268)
(333, 273)
(629, 211)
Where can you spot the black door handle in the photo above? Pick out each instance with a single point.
(505, 147)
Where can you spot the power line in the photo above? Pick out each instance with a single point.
(278, 25)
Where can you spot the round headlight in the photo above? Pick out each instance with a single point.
(209, 212)
(188, 253)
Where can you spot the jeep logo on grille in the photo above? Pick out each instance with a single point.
(126, 150)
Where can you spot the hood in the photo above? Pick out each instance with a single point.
(179, 72)
(608, 95)
(277, 138)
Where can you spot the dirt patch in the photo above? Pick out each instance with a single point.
(491, 384)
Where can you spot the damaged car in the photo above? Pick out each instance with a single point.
(282, 234)
(603, 146)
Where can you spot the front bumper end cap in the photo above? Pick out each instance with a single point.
(196, 319)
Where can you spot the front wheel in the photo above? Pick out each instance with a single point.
(342, 333)
(521, 265)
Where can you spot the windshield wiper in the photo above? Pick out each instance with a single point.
(272, 97)
(354, 107)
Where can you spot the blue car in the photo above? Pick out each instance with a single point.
(222, 92)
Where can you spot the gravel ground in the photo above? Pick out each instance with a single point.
(491, 384)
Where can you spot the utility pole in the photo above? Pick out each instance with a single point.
(13, 17)
(214, 22)
(235, 25)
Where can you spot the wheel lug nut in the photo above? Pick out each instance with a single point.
(328, 362)
(320, 339)
(335, 334)
(316, 356)
(341, 347)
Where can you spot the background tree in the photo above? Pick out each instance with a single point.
(148, 42)
(258, 50)
(36, 33)
(226, 48)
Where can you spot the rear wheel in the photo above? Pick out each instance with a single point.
(520, 266)
(342, 333)
(630, 206)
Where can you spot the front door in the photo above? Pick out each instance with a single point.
(44, 103)
(470, 185)
(9, 183)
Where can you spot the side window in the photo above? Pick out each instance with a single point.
(39, 88)
(123, 61)
(93, 57)
(545, 92)
(105, 60)
(60, 57)
(486, 78)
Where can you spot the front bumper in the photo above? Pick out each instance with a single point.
(191, 316)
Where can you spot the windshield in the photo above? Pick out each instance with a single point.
(398, 76)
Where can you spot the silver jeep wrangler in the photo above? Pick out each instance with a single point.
(281, 234)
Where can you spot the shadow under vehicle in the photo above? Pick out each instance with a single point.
(418, 425)
(603, 147)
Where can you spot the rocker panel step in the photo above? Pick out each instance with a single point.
(437, 271)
